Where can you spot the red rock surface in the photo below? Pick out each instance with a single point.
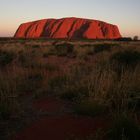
(69, 28)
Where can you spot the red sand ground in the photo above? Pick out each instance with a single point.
(61, 126)
(50, 105)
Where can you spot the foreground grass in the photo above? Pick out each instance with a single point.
(98, 78)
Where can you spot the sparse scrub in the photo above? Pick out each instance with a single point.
(104, 47)
(107, 87)
(79, 71)
(36, 46)
(30, 59)
(4, 112)
(82, 53)
(8, 94)
(74, 93)
(67, 88)
(64, 49)
(127, 58)
(49, 50)
(57, 83)
(91, 108)
(31, 83)
(51, 67)
(6, 58)
(124, 128)
(101, 79)
(45, 55)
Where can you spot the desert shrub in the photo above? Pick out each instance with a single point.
(45, 55)
(57, 83)
(31, 83)
(70, 48)
(4, 112)
(103, 47)
(74, 93)
(83, 52)
(64, 49)
(36, 46)
(124, 39)
(29, 58)
(87, 45)
(22, 58)
(4, 39)
(9, 104)
(127, 58)
(124, 128)
(122, 94)
(90, 50)
(51, 67)
(81, 70)
(6, 58)
(49, 50)
(90, 108)
(123, 60)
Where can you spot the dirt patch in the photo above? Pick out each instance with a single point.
(51, 105)
(61, 127)
(59, 123)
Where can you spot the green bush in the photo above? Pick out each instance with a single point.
(6, 58)
(124, 128)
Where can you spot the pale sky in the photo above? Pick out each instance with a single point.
(124, 13)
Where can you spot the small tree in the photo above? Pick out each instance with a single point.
(136, 38)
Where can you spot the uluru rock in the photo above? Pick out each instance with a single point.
(68, 28)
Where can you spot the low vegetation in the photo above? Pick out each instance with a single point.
(91, 108)
(124, 128)
(98, 79)
(6, 58)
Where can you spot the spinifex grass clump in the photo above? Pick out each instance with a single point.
(9, 105)
(31, 83)
(36, 46)
(90, 108)
(74, 93)
(6, 58)
(104, 47)
(29, 58)
(127, 59)
(73, 84)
